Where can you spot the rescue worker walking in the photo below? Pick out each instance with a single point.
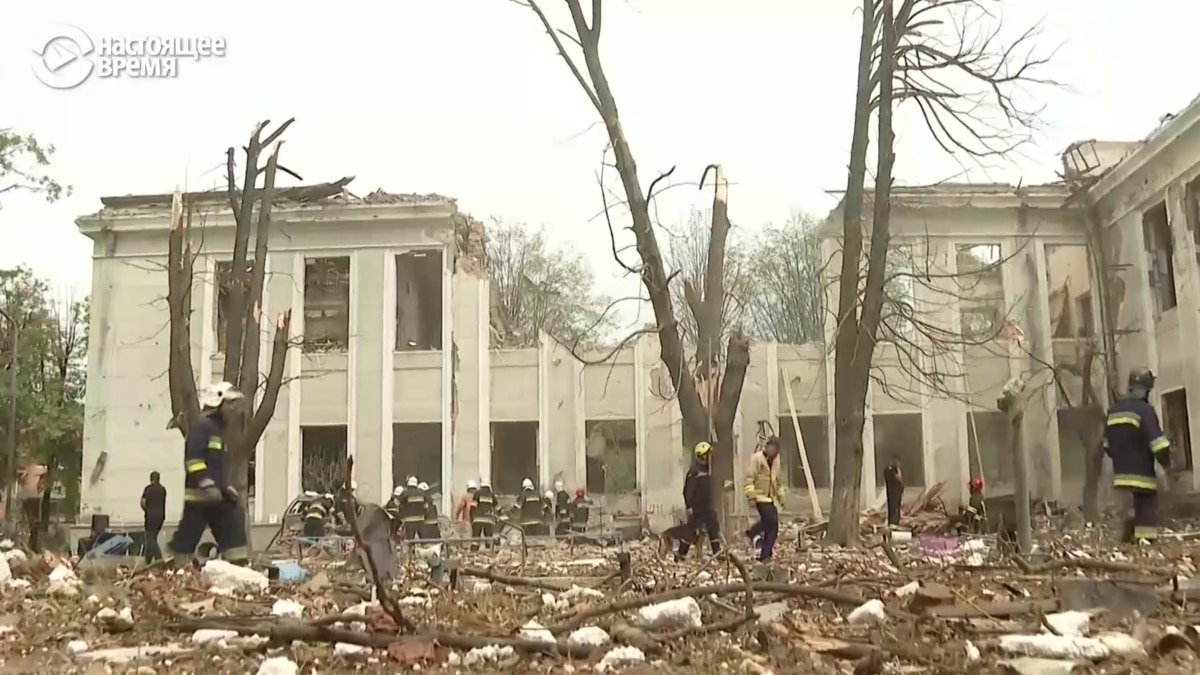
(893, 481)
(698, 498)
(562, 510)
(530, 503)
(581, 510)
(483, 513)
(1134, 440)
(412, 509)
(429, 528)
(315, 516)
(209, 501)
(764, 494)
(154, 508)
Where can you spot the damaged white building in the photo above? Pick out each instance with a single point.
(392, 300)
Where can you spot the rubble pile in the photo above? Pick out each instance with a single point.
(930, 605)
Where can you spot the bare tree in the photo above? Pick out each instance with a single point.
(949, 58)
(785, 302)
(687, 253)
(707, 401)
(537, 287)
(244, 311)
(23, 160)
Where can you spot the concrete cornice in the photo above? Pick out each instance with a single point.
(1162, 139)
(159, 219)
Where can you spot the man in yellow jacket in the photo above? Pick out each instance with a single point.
(765, 495)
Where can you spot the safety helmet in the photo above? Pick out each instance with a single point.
(1141, 380)
(219, 393)
(558, 485)
(397, 492)
(411, 482)
(526, 484)
(977, 484)
(549, 494)
(471, 485)
(579, 492)
(423, 487)
(702, 449)
(485, 483)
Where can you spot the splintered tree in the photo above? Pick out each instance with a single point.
(707, 400)
(949, 58)
(250, 205)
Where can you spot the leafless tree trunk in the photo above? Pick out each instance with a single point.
(852, 368)
(707, 403)
(242, 337)
(909, 61)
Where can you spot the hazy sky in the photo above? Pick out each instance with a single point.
(467, 98)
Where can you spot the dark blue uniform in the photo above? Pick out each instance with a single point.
(213, 507)
(1134, 440)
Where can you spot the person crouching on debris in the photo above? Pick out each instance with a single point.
(698, 498)
(483, 514)
(893, 481)
(974, 514)
(315, 515)
(1134, 440)
(412, 509)
(531, 506)
(430, 528)
(581, 510)
(209, 501)
(562, 510)
(765, 495)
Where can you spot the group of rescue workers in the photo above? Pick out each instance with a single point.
(1133, 440)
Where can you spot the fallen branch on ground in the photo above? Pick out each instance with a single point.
(385, 598)
(1090, 564)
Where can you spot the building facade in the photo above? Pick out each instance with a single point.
(390, 294)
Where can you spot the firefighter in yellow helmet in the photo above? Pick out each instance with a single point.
(698, 498)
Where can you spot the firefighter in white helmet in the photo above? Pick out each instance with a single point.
(530, 503)
(209, 501)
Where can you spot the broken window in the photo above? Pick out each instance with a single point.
(814, 431)
(1069, 291)
(514, 455)
(1191, 207)
(223, 278)
(1176, 427)
(980, 281)
(327, 304)
(1076, 428)
(419, 300)
(417, 451)
(1156, 228)
(899, 435)
(987, 440)
(611, 456)
(322, 457)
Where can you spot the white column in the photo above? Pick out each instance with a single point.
(447, 381)
(1038, 297)
(639, 413)
(352, 363)
(295, 366)
(266, 333)
(387, 398)
(1143, 296)
(580, 429)
(543, 394)
(208, 310)
(484, 344)
(1187, 291)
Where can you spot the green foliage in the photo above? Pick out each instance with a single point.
(51, 337)
(23, 160)
(536, 286)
